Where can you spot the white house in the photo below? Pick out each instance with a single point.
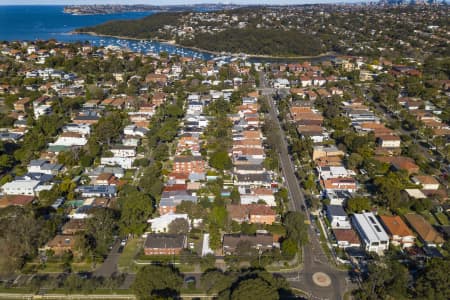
(194, 107)
(134, 130)
(337, 217)
(328, 172)
(20, 187)
(371, 232)
(389, 141)
(70, 139)
(44, 167)
(161, 224)
(249, 196)
(281, 83)
(123, 151)
(83, 129)
(428, 182)
(124, 162)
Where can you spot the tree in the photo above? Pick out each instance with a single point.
(389, 188)
(193, 210)
(296, 227)
(354, 161)
(218, 215)
(136, 207)
(388, 279)
(214, 281)
(358, 204)
(432, 282)
(155, 281)
(101, 228)
(21, 235)
(220, 160)
(179, 226)
(254, 288)
(289, 247)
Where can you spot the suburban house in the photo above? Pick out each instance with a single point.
(389, 141)
(16, 200)
(252, 213)
(44, 167)
(337, 217)
(70, 139)
(164, 244)
(428, 182)
(405, 163)
(254, 195)
(398, 231)
(74, 226)
(170, 199)
(189, 164)
(259, 241)
(123, 162)
(21, 187)
(123, 151)
(340, 184)
(161, 224)
(425, 230)
(23, 104)
(346, 238)
(337, 197)
(87, 191)
(61, 244)
(325, 151)
(327, 172)
(254, 180)
(372, 234)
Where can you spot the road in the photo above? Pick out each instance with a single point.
(109, 266)
(314, 258)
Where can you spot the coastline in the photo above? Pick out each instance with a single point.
(256, 56)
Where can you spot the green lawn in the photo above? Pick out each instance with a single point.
(442, 218)
(429, 217)
(82, 267)
(126, 259)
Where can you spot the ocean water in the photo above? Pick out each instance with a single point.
(28, 23)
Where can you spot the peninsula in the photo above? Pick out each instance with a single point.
(296, 30)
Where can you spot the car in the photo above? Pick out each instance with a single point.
(123, 242)
(190, 280)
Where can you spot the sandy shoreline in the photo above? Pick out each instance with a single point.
(208, 51)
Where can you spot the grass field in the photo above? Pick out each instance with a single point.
(442, 218)
(126, 259)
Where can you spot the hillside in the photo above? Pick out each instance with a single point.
(371, 31)
(145, 28)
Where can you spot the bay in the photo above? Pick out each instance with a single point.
(44, 22)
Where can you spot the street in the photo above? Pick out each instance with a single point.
(314, 258)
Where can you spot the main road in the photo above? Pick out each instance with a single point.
(315, 262)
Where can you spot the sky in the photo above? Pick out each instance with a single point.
(164, 2)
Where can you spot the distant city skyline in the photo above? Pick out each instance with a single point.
(171, 2)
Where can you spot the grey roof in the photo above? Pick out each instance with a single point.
(264, 177)
(336, 210)
(232, 240)
(47, 166)
(165, 241)
(250, 167)
(37, 162)
(42, 178)
(97, 189)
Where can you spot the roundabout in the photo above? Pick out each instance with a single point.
(321, 279)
